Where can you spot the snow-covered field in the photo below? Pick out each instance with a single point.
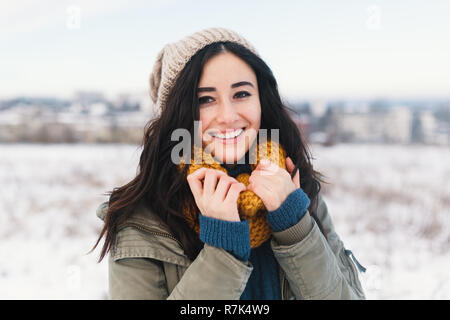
(390, 205)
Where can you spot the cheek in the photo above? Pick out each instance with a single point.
(254, 117)
(205, 120)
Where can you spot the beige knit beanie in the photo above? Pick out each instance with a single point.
(174, 56)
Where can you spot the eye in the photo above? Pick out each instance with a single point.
(203, 100)
(242, 94)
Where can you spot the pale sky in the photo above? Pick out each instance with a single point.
(316, 49)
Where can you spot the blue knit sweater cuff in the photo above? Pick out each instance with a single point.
(233, 237)
(290, 212)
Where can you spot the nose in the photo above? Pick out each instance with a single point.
(226, 113)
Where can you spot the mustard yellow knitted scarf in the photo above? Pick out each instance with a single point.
(250, 206)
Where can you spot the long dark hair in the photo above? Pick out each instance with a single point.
(161, 184)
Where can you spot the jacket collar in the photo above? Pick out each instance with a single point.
(142, 216)
(147, 221)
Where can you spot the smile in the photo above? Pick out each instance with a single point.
(229, 137)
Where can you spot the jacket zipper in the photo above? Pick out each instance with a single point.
(142, 228)
(283, 287)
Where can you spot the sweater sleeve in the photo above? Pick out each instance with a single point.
(233, 237)
(290, 212)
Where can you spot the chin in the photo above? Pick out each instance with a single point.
(229, 156)
(231, 153)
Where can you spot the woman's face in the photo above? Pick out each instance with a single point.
(230, 110)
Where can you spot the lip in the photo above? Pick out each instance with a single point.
(226, 130)
(230, 141)
(229, 130)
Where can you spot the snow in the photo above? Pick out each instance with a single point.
(390, 206)
(48, 224)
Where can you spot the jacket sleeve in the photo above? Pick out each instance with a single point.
(315, 267)
(214, 274)
(136, 279)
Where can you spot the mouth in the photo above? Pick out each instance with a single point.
(228, 136)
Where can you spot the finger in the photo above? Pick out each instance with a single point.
(234, 191)
(252, 187)
(291, 166)
(201, 172)
(195, 183)
(223, 186)
(266, 167)
(263, 193)
(264, 163)
(296, 179)
(198, 174)
(211, 178)
(195, 180)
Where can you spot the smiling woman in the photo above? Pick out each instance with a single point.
(208, 230)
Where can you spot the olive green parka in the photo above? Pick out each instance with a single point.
(147, 262)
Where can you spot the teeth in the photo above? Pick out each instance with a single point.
(229, 135)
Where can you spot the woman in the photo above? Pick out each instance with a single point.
(223, 227)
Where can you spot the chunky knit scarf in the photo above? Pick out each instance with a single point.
(250, 206)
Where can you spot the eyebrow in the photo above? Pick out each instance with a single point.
(234, 85)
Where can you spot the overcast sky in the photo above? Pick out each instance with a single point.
(316, 49)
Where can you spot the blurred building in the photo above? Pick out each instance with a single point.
(398, 125)
(91, 117)
(426, 128)
(352, 124)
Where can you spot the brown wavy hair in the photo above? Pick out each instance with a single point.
(160, 183)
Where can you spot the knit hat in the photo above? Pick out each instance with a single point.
(173, 57)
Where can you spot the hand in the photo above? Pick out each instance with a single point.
(216, 202)
(272, 183)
